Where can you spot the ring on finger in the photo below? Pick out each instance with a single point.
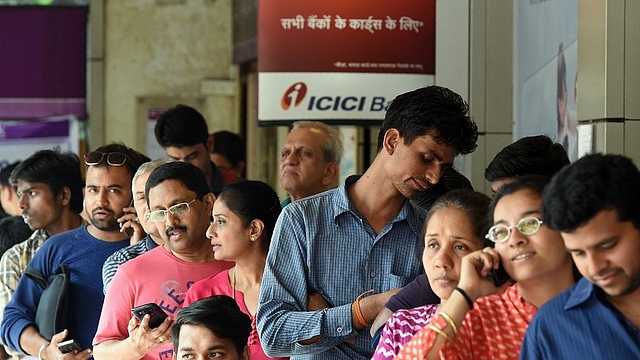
(160, 338)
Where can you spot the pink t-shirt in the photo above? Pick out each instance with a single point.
(154, 277)
(219, 285)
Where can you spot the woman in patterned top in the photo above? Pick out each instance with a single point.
(454, 227)
(244, 216)
(481, 320)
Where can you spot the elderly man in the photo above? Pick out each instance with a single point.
(310, 159)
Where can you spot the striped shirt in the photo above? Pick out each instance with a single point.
(322, 244)
(400, 328)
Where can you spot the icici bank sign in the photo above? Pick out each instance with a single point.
(341, 61)
(358, 97)
(296, 95)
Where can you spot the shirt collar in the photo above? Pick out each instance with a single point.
(582, 291)
(342, 204)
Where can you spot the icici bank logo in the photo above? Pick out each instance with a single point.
(294, 95)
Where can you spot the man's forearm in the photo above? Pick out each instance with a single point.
(116, 349)
(31, 341)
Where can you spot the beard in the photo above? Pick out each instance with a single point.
(110, 223)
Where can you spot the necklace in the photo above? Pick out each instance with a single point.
(233, 285)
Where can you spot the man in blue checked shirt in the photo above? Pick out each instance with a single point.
(351, 248)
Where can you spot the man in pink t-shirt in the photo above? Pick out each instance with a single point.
(180, 204)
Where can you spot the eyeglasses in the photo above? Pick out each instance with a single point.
(113, 159)
(526, 226)
(177, 210)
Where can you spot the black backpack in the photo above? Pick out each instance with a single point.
(54, 308)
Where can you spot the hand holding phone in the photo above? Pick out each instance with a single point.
(68, 346)
(155, 312)
(499, 276)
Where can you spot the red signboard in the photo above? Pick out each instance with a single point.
(328, 51)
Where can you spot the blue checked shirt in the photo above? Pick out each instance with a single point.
(322, 244)
(580, 324)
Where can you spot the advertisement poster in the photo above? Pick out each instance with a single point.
(20, 139)
(341, 61)
(546, 71)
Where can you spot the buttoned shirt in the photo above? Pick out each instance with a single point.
(580, 324)
(322, 244)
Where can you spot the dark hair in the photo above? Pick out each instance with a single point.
(13, 230)
(189, 175)
(533, 183)
(593, 183)
(56, 170)
(251, 200)
(5, 173)
(531, 155)
(472, 203)
(229, 145)
(451, 179)
(435, 111)
(134, 158)
(221, 315)
(181, 126)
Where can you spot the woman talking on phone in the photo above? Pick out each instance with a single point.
(481, 320)
(244, 216)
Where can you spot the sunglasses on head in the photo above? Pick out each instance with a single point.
(113, 158)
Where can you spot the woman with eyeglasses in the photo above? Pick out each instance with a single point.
(244, 216)
(481, 320)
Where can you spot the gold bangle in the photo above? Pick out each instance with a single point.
(449, 321)
(439, 331)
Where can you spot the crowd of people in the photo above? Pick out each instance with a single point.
(401, 262)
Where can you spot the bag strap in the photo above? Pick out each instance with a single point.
(35, 275)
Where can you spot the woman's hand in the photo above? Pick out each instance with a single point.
(474, 273)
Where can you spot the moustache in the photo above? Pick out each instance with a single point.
(100, 208)
(173, 228)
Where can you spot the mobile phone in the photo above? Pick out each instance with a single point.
(156, 313)
(128, 231)
(68, 346)
(499, 276)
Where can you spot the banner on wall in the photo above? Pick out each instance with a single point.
(20, 139)
(341, 61)
(546, 71)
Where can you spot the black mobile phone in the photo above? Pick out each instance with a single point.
(156, 313)
(68, 346)
(499, 276)
(129, 231)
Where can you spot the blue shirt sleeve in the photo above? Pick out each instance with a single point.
(282, 318)
(20, 312)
